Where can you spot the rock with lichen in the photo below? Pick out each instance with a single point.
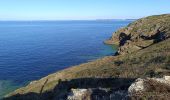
(79, 94)
(155, 88)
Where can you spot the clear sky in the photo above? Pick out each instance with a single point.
(80, 9)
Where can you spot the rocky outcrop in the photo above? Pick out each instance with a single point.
(141, 33)
(97, 94)
(150, 87)
(138, 89)
(137, 86)
(79, 94)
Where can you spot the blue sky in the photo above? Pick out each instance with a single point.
(80, 9)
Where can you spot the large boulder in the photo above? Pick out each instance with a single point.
(151, 88)
(137, 86)
(79, 94)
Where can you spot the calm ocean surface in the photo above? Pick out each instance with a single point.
(30, 50)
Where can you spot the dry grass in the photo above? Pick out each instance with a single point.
(142, 63)
(154, 91)
(153, 61)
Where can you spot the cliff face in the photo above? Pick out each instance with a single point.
(141, 33)
(144, 48)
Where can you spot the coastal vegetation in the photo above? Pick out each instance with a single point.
(144, 51)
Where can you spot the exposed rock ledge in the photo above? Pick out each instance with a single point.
(138, 89)
(141, 33)
(97, 94)
(154, 88)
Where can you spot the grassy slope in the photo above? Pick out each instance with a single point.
(151, 61)
(141, 33)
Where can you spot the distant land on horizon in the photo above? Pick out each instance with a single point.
(73, 20)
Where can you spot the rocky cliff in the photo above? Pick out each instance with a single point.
(144, 51)
(141, 33)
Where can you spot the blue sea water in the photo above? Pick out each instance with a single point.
(30, 50)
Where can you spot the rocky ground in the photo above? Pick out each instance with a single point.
(146, 88)
(150, 88)
(144, 53)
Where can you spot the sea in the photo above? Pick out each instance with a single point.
(30, 50)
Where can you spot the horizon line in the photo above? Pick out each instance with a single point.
(71, 19)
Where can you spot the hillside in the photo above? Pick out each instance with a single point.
(144, 51)
(141, 33)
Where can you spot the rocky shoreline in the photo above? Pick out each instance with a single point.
(141, 34)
